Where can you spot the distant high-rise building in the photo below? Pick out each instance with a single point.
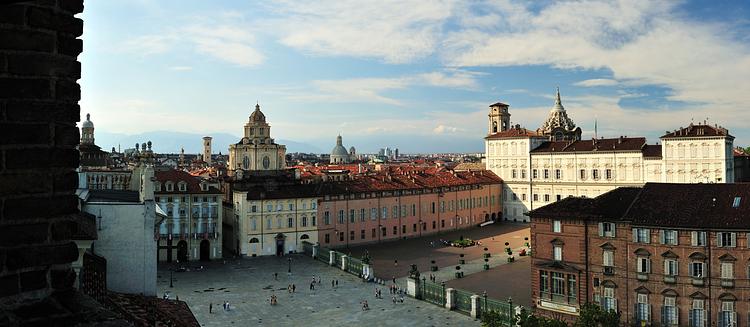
(381, 152)
(395, 153)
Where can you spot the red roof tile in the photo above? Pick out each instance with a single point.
(698, 131)
(176, 176)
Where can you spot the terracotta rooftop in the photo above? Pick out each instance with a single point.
(514, 132)
(152, 311)
(613, 144)
(698, 131)
(176, 176)
(709, 206)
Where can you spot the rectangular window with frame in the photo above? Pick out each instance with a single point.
(727, 270)
(326, 218)
(608, 258)
(557, 226)
(595, 173)
(546, 198)
(607, 229)
(608, 174)
(669, 237)
(726, 239)
(558, 174)
(352, 215)
(513, 173)
(558, 284)
(670, 267)
(290, 222)
(534, 174)
(669, 312)
(696, 269)
(582, 174)
(557, 254)
(698, 238)
(609, 302)
(643, 265)
(362, 215)
(643, 313)
(543, 281)
(641, 235)
(546, 174)
(697, 313)
(727, 315)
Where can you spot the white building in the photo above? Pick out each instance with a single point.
(546, 165)
(125, 222)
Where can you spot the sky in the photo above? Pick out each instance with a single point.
(415, 75)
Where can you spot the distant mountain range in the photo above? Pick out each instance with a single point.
(172, 142)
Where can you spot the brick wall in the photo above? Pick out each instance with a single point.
(38, 113)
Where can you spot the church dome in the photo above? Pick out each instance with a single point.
(257, 115)
(339, 153)
(88, 123)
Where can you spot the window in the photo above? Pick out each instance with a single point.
(727, 270)
(362, 214)
(608, 173)
(385, 213)
(523, 197)
(736, 202)
(641, 235)
(278, 222)
(352, 215)
(523, 173)
(556, 226)
(670, 267)
(546, 174)
(726, 239)
(558, 174)
(669, 237)
(513, 173)
(696, 269)
(607, 229)
(536, 197)
(643, 265)
(697, 313)
(395, 212)
(546, 198)
(341, 217)
(669, 312)
(698, 238)
(328, 238)
(558, 284)
(595, 173)
(341, 236)
(543, 281)
(642, 308)
(609, 302)
(326, 218)
(254, 208)
(290, 222)
(291, 207)
(572, 288)
(608, 258)
(582, 173)
(534, 174)
(373, 234)
(558, 197)
(403, 229)
(727, 316)
(395, 230)
(312, 221)
(557, 253)
(362, 234)
(304, 221)
(268, 223)
(254, 224)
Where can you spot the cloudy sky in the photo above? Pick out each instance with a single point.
(417, 75)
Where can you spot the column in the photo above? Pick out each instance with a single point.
(450, 298)
(331, 258)
(412, 287)
(475, 306)
(344, 260)
(315, 250)
(367, 271)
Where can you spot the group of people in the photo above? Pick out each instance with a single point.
(291, 288)
(433, 278)
(365, 306)
(314, 281)
(273, 300)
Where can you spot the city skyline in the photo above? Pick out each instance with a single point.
(421, 81)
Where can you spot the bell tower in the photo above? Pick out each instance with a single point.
(499, 118)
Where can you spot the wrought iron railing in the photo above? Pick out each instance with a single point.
(463, 301)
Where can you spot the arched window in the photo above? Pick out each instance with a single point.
(254, 240)
(246, 163)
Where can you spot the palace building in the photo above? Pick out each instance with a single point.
(548, 164)
(664, 254)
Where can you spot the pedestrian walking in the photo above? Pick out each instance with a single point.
(294, 288)
(320, 280)
(402, 298)
(210, 308)
(275, 276)
(289, 288)
(394, 279)
(333, 283)
(337, 283)
(393, 298)
(312, 286)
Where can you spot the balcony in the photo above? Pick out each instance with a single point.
(609, 271)
(698, 281)
(641, 276)
(727, 283)
(670, 279)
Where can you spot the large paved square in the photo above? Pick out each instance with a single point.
(248, 283)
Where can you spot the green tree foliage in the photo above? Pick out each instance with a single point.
(593, 316)
(525, 319)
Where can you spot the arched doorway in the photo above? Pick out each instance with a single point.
(254, 246)
(182, 251)
(494, 217)
(486, 217)
(304, 237)
(280, 244)
(205, 253)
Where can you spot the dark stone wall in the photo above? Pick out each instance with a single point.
(39, 109)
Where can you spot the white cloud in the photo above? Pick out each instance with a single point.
(596, 82)
(393, 31)
(443, 129)
(226, 37)
(640, 42)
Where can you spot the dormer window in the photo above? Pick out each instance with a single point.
(170, 187)
(204, 187)
(157, 187)
(182, 186)
(736, 202)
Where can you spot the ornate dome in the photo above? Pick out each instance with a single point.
(558, 117)
(257, 115)
(339, 149)
(88, 123)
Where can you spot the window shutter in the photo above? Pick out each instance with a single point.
(635, 235)
(648, 236)
(734, 239)
(718, 239)
(676, 268)
(601, 229)
(690, 269)
(676, 313)
(648, 265)
(666, 267)
(694, 238)
(614, 228)
(662, 236)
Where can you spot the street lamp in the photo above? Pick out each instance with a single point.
(290, 265)
(485, 301)
(170, 276)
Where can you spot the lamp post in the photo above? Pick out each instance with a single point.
(170, 276)
(424, 287)
(484, 307)
(289, 260)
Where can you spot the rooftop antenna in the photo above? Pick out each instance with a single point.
(596, 134)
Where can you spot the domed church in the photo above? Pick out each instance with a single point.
(339, 155)
(256, 150)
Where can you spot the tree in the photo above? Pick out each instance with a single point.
(592, 315)
(526, 319)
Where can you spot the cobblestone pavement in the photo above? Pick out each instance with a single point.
(247, 285)
(508, 280)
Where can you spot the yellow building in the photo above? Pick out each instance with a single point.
(256, 150)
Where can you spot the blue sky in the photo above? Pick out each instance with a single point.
(417, 75)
